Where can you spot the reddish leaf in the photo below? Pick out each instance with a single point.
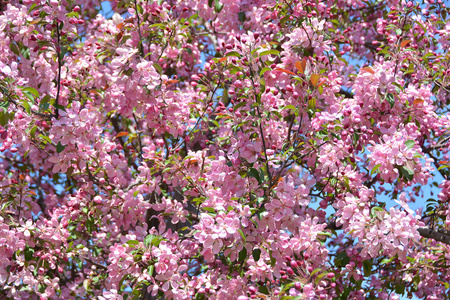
(119, 36)
(444, 162)
(368, 70)
(418, 101)
(120, 26)
(171, 81)
(298, 65)
(315, 79)
(193, 162)
(284, 71)
(301, 66)
(122, 133)
(223, 59)
(405, 43)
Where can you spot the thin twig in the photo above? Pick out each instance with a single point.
(59, 72)
(141, 47)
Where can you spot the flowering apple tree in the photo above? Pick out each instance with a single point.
(224, 149)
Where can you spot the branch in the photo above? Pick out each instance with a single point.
(139, 136)
(46, 116)
(440, 235)
(346, 93)
(115, 124)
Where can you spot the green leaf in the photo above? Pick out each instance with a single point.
(325, 233)
(367, 266)
(14, 49)
(218, 6)
(26, 105)
(158, 67)
(312, 103)
(132, 242)
(236, 106)
(46, 138)
(342, 259)
(31, 90)
(315, 271)
(43, 104)
(375, 209)
(33, 131)
(398, 32)
(4, 117)
(320, 276)
(399, 288)
(409, 144)
(153, 240)
(160, 25)
(60, 148)
(256, 254)
(241, 16)
(28, 252)
(268, 52)
(242, 235)
(210, 3)
(416, 281)
(150, 270)
(387, 260)
(375, 169)
(290, 106)
(4, 105)
(25, 51)
(264, 290)
(407, 173)
(140, 9)
(90, 225)
(233, 53)
(148, 240)
(242, 255)
(209, 209)
(253, 173)
(390, 99)
(264, 70)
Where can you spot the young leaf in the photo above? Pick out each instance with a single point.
(404, 43)
(300, 67)
(418, 101)
(368, 70)
(122, 133)
(315, 79)
(284, 71)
